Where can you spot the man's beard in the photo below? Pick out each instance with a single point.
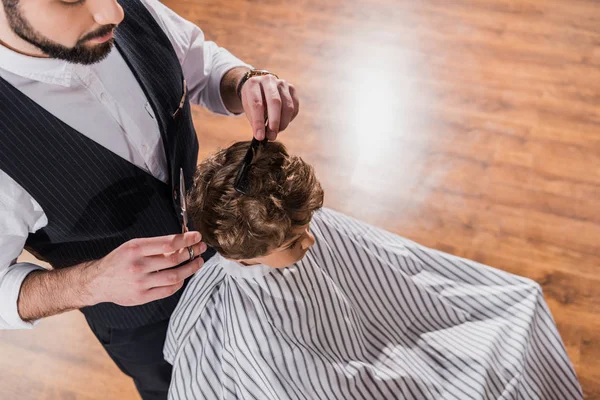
(79, 54)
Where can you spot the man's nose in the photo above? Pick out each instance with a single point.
(107, 12)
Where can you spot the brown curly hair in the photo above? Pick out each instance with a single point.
(283, 192)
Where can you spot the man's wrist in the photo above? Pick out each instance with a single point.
(249, 75)
(88, 293)
(229, 85)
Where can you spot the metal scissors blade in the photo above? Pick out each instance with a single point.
(182, 200)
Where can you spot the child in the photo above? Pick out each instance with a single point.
(338, 309)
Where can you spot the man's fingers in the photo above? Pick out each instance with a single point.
(295, 99)
(287, 107)
(255, 108)
(162, 292)
(170, 260)
(145, 247)
(169, 277)
(274, 104)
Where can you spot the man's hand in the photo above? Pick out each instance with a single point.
(141, 270)
(268, 95)
(137, 272)
(261, 96)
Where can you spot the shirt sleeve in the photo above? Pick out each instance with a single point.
(204, 63)
(19, 215)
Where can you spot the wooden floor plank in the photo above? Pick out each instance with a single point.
(470, 126)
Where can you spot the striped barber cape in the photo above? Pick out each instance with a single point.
(365, 315)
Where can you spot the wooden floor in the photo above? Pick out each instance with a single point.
(470, 126)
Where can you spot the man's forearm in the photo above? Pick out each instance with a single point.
(47, 293)
(229, 89)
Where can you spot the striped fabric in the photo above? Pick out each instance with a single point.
(365, 315)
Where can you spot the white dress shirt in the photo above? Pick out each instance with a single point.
(104, 102)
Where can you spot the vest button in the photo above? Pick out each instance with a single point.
(175, 194)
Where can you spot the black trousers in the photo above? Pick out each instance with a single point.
(138, 352)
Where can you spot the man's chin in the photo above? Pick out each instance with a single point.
(85, 54)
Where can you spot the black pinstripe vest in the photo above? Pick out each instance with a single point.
(94, 199)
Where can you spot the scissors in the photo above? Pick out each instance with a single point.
(184, 214)
(183, 203)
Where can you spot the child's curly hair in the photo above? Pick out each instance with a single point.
(283, 192)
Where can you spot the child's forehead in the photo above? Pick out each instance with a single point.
(300, 228)
(297, 230)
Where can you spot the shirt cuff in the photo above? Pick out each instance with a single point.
(10, 287)
(223, 63)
